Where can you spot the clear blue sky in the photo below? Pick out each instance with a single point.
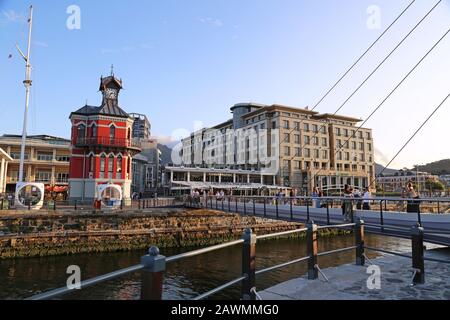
(188, 61)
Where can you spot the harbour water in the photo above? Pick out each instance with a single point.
(21, 278)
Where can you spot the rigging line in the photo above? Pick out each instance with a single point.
(411, 138)
(362, 56)
(385, 99)
(358, 60)
(377, 68)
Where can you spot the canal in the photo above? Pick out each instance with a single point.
(21, 278)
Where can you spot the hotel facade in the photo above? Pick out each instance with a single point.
(46, 161)
(276, 146)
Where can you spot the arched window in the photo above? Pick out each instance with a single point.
(91, 163)
(81, 132)
(111, 165)
(102, 166)
(119, 167)
(112, 132)
(94, 131)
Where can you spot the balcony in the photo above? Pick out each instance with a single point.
(108, 143)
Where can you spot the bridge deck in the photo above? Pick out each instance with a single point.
(397, 224)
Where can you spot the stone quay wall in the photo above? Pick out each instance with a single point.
(34, 234)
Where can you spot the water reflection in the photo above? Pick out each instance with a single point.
(21, 278)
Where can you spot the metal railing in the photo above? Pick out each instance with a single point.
(82, 205)
(153, 265)
(248, 204)
(108, 142)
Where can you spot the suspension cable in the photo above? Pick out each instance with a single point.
(411, 138)
(358, 60)
(385, 99)
(303, 146)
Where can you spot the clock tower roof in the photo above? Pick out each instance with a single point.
(110, 86)
(110, 82)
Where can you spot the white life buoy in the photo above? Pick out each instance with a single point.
(29, 195)
(110, 195)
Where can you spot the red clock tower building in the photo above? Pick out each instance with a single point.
(102, 146)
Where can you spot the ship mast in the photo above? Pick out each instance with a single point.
(27, 82)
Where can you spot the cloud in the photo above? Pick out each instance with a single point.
(13, 16)
(212, 22)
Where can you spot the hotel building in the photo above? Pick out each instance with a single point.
(276, 146)
(46, 161)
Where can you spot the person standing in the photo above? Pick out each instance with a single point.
(366, 199)
(347, 205)
(413, 203)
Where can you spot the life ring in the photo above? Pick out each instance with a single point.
(29, 195)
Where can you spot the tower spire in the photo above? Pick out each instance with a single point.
(112, 70)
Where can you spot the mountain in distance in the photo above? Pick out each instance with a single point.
(379, 168)
(166, 154)
(437, 168)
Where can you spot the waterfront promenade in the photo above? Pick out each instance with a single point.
(349, 282)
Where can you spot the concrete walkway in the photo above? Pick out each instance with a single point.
(349, 282)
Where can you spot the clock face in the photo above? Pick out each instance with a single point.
(110, 93)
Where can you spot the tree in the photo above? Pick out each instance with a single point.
(434, 185)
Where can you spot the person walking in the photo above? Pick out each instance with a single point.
(347, 206)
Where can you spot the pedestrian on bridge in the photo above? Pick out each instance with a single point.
(366, 199)
(347, 205)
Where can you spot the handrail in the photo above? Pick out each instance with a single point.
(153, 265)
(61, 291)
(202, 251)
(280, 234)
(87, 283)
(389, 252)
(220, 288)
(372, 199)
(327, 253)
(281, 265)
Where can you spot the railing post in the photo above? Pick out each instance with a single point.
(121, 204)
(139, 204)
(249, 265)
(328, 213)
(236, 203)
(292, 212)
(217, 206)
(1, 208)
(54, 206)
(307, 210)
(359, 243)
(276, 204)
(153, 275)
(229, 204)
(312, 251)
(75, 206)
(223, 208)
(245, 207)
(254, 207)
(418, 254)
(381, 216)
(265, 212)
